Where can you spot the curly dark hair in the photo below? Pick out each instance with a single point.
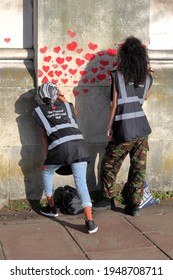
(133, 61)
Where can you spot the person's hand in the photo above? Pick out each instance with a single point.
(109, 133)
(61, 97)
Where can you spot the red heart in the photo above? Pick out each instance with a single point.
(40, 73)
(109, 72)
(94, 70)
(64, 66)
(64, 81)
(79, 61)
(85, 81)
(68, 58)
(58, 73)
(46, 68)
(50, 74)
(47, 58)
(75, 82)
(90, 56)
(54, 65)
(102, 68)
(92, 46)
(54, 81)
(71, 46)
(57, 49)
(75, 93)
(72, 71)
(43, 50)
(44, 80)
(71, 33)
(60, 60)
(104, 62)
(83, 73)
(85, 90)
(93, 80)
(101, 77)
(7, 40)
(79, 50)
(111, 52)
(100, 53)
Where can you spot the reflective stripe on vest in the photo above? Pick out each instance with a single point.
(125, 99)
(50, 130)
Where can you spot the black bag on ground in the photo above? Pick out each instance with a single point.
(68, 200)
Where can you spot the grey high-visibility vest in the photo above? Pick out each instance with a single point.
(60, 124)
(130, 120)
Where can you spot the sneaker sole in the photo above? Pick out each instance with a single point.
(93, 231)
(49, 214)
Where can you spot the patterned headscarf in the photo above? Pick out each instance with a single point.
(47, 93)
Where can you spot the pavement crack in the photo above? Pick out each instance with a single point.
(154, 244)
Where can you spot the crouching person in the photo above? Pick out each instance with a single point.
(64, 145)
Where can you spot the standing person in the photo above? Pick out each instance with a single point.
(64, 145)
(128, 127)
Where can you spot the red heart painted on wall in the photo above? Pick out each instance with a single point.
(75, 82)
(47, 58)
(111, 52)
(90, 56)
(57, 49)
(54, 65)
(79, 61)
(94, 70)
(71, 46)
(40, 73)
(50, 73)
(44, 80)
(102, 68)
(71, 33)
(104, 62)
(75, 93)
(72, 71)
(54, 81)
(60, 60)
(101, 77)
(92, 46)
(7, 40)
(58, 73)
(43, 50)
(85, 90)
(83, 73)
(68, 58)
(100, 53)
(93, 80)
(64, 66)
(64, 81)
(79, 50)
(85, 81)
(46, 68)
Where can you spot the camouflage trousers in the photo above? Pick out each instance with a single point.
(111, 163)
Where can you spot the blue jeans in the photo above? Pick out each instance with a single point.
(79, 170)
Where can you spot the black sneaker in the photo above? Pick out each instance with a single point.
(49, 211)
(132, 210)
(104, 205)
(91, 226)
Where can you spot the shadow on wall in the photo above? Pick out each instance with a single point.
(31, 150)
(92, 101)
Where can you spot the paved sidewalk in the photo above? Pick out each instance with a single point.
(120, 237)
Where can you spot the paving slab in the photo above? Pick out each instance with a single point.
(120, 236)
(45, 240)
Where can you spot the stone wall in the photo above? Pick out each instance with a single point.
(74, 46)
